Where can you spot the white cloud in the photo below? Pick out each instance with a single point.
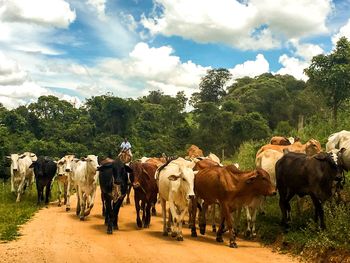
(344, 31)
(292, 66)
(306, 51)
(10, 72)
(251, 68)
(154, 64)
(53, 13)
(254, 24)
(100, 6)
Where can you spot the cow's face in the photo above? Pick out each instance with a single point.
(135, 173)
(92, 162)
(64, 165)
(260, 183)
(312, 147)
(184, 180)
(14, 162)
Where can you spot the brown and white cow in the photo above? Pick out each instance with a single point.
(279, 140)
(65, 179)
(232, 189)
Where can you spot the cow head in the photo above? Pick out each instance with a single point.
(260, 182)
(14, 161)
(64, 165)
(312, 147)
(184, 181)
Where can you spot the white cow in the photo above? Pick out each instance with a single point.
(85, 177)
(175, 184)
(340, 140)
(21, 175)
(65, 179)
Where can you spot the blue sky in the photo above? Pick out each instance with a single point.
(75, 49)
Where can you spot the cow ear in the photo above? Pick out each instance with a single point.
(8, 157)
(321, 156)
(173, 177)
(251, 179)
(342, 150)
(195, 172)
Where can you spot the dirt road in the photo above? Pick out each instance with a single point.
(54, 235)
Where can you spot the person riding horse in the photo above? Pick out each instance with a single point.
(125, 149)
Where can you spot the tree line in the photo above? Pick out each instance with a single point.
(223, 115)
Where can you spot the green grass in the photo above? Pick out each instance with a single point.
(13, 214)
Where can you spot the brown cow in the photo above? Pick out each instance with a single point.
(311, 147)
(232, 188)
(156, 161)
(145, 188)
(279, 140)
(205, 163)
(194, 151)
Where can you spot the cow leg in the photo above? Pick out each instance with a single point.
(148, 214)
(318, 211)
(65, 188)
(226, 215)
(116, 212)
(251, 219)
(78, 202)
(59, 185)
(143, 207)
(109, 214)
(194, 215)
(213, 217)
(39, 190)
(137, 207)
(173, 218)
(103, 204)
(91, 199)
(12, 183)
(285, 208)
(47, 192)
(221, 229)
(163, 204)
(82, 198)
(68, 195)
(236, 214)
(20, 189)
(202, 218)
(179, 236)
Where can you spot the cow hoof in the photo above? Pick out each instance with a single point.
(202, 231)
(109, 231)
(59, 205)
(165, 234)
(81, 218)
(254, 235)
(173, 234)
(219, 239)
(233, 245)
(214, 229)
(116, 227)
(193, 234)
(180, 238)
(247, 233)
(67, 209)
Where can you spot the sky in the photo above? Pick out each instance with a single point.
(75, 49)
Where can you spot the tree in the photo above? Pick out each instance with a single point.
(330, 75)
(212, 86)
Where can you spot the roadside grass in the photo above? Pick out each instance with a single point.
(304, 236)
(13, 214)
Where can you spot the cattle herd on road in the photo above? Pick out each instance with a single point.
(192, 184)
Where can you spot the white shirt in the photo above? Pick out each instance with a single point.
(125, 146)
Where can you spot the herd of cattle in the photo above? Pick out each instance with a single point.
(192, 184)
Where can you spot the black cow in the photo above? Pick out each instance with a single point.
(298, 174)
(44, 170)
(113, 183)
